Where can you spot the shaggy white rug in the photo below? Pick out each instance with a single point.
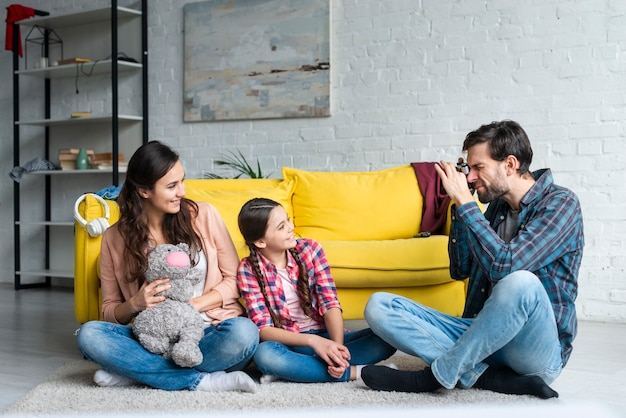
(71, 390)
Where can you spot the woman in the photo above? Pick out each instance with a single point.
(291, 296)
(153, 211)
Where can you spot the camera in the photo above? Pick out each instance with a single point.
(462, 166)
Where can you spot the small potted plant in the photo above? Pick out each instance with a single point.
(238, 163)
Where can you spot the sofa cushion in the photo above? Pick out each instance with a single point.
(398, 263)
(376, 205)
(231, 184)
(228, 201)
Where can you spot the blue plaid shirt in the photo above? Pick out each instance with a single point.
(549, 242)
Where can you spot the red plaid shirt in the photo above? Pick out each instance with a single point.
(321, 286)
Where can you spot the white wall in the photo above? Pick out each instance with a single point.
(409, 79)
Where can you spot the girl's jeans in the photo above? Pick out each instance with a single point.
(301, 364)
(515, 328)
(227, 346)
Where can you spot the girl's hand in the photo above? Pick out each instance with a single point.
(336, 355)
(336, 372)
(149, 295)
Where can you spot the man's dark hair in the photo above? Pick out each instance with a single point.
(504, 138)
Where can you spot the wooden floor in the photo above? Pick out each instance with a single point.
(37, 333)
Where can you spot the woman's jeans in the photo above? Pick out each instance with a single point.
(227, 346)
(516, 328)
(301, 364)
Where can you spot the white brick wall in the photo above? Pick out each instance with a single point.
(409, 80)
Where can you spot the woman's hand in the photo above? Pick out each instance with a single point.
(149, 295)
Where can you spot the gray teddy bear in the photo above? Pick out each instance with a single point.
(172, 328)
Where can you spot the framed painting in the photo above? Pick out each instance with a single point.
(256, 59)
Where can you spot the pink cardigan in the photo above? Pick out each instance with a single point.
(222, 263)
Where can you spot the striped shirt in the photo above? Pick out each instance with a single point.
(321, 286)
(549, 242)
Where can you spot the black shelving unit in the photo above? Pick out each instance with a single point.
(112, 66)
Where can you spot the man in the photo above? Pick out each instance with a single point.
(522, 259)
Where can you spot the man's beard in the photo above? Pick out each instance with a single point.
(490, 193)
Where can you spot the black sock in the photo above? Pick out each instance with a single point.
(385, 378)
(505, 380)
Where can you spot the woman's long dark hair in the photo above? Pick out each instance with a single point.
(148, 164)
(253, 222)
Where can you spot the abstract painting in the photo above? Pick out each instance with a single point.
(256, 59)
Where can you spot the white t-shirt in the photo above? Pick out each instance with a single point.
(198, 289)
(293, 303)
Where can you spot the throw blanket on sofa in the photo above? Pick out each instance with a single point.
(436, 201)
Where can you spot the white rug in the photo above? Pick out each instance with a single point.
(71, 390)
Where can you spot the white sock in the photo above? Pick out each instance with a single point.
(107, 379)
(223, 382)
(268, 378)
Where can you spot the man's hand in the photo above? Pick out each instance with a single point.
(454, 182)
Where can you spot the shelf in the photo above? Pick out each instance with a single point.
(69, 70)
(121, 170)
(63, 274)
(46, 223)
(80, 18)
(81, 121)
(103, 29)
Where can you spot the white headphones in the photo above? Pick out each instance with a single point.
(97, 226)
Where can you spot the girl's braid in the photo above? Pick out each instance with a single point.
(254, 260)
(303, 284)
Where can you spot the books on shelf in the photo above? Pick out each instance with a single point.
(80, 114)
(74, 60)
(68, 156)
(104, 161)
(72, 153)
(109, 166)
(100, 160)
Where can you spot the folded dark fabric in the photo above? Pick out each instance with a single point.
(436, 200)
(36, 164)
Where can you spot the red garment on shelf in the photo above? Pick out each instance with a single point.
(16, 12)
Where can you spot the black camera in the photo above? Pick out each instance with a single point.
(462, 166)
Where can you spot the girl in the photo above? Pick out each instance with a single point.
(153, 211)
(290, 295)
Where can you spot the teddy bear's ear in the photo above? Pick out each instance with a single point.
(183, 246)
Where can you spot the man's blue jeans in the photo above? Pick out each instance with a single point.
(515, 328)
(227, 346)
(301, 364)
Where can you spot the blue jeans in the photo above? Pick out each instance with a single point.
(301, 364)
(515, 328)
(227, 346)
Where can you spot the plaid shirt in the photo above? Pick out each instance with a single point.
(321, 286)
(549, 243)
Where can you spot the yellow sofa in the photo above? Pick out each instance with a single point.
(366, 221)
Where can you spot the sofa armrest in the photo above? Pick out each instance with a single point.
(87, 297)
